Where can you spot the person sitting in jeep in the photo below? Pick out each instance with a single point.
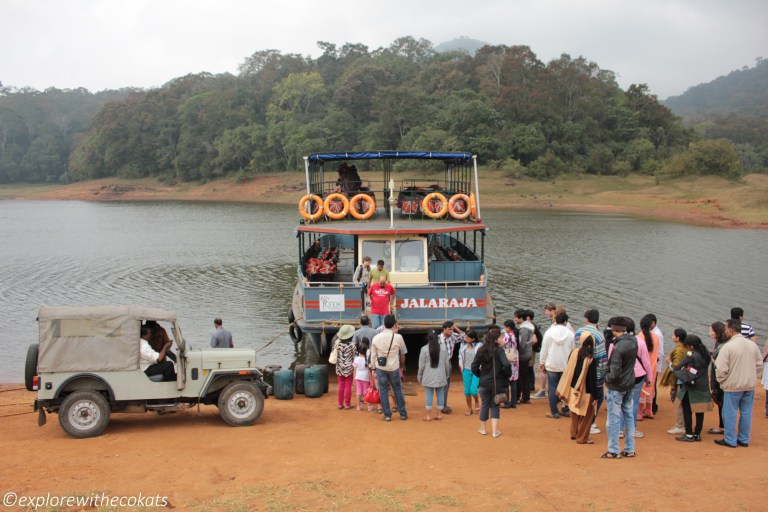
(158, 337)
(152, 362)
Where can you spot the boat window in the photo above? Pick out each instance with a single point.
(378, 250)
(409, 255)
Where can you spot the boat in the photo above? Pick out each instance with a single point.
(427, 229)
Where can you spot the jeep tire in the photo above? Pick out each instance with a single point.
(30, 367)
(241, 403)
(84, 414)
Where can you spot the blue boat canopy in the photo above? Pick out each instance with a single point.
(378, 155)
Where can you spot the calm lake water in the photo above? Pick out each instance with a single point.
(238, 261)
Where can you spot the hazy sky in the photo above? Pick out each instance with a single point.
(107, 44)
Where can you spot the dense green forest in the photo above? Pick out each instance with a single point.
(503, 103)
(732, 107)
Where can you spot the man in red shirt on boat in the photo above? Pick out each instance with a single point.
(382, 296)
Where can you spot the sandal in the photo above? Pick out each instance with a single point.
(715, 431)
(482, 432)
(468, 413)
(588, 441)
(437, 418)
(628, 455)
(609, 455)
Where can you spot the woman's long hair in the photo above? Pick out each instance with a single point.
(434, 349)
(587, 348)
(695, 343)
(719, 330)
(487, 350)
(645, 326)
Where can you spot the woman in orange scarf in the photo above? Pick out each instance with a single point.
(577, 388)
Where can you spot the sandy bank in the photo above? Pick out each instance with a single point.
(304, 454)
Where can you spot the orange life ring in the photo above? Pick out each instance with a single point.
(365, 198)
(472, 205)
(331, 212)
(454, 209)
(311, 215)
(428, 211)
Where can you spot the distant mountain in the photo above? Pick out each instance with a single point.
(462, 43)
(740, 92)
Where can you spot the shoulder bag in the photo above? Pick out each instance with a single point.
(382, 360)
(334, 357)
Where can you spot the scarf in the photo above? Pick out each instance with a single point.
(577, 398)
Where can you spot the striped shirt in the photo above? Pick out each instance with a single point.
(746, 330)
(600, 355)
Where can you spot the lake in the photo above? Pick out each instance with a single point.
(238, 261)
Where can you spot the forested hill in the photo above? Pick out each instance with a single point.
(732, 107)
(503, 103)
(740, 92)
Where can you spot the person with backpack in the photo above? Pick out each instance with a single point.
(694, 395)
(525, 353)
(362, 278)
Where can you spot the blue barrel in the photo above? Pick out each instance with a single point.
(283, 388)
(313, 385)
(323, 375)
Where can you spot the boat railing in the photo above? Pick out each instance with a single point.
(381, 188)
(339, 284)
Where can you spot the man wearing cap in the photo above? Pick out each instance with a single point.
(620, 381)
(386, 359)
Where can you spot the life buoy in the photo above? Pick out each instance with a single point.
(365, 199)
(316, 210)
(428, 211)
(331, 210)
(472, 205)
(459, 206)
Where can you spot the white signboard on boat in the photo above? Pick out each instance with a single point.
(332, 303)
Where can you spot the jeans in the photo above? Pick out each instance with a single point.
(513, 393)
(487, 403)
(376, 321)
(386, 379)
(636, 399)
(599, 395)
(619, 405)
(553, 379)
(738, 402)
(440, 392)
(363, 295)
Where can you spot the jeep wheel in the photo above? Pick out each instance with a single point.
(241, 404)
(84, 414)
(30, 367)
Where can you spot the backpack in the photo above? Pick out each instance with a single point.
(539, 337)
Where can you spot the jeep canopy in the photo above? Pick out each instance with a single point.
(103, 338)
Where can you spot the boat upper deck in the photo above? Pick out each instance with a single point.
(401, 226)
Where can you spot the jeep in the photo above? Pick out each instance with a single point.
(86, 366)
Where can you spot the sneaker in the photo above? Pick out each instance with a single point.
(540, 394)
(370, 408)
(676, 430)
(686, 439)
(359, 407)
(594, 430)
(553, 416)
(447, 410)
(639, 434)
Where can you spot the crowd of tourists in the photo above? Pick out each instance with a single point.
(623, 366)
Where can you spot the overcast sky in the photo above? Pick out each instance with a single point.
(106, 44)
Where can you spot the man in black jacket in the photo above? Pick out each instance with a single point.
(619, 381)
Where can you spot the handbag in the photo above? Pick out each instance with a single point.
(372, 396)
(498, 398)
(687, 375)
(512, 354)
(334, 357)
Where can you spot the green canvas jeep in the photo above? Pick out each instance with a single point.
(86, 367)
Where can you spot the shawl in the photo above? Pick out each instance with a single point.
(578, 400)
